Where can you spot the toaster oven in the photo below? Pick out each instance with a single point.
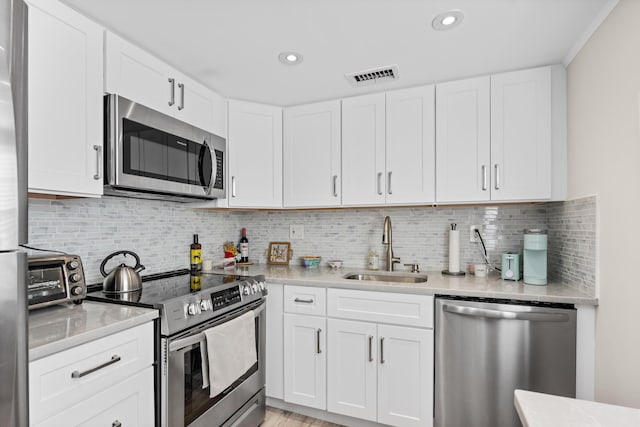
(55, 279)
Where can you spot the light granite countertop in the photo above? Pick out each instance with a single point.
(546, 410)
(59, 327)
(469, 285)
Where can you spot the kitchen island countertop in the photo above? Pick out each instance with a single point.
(546, 410)
(60, 327)
(469, 285)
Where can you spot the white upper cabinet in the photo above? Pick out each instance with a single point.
(312, 155)
(521, 135)
(255, 155)
(410, 146)
(363, 150)
(462, 141)
(388, 148)
(502, 138)
(141, 77)
(65, 101)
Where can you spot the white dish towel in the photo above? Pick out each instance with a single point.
(230, 352)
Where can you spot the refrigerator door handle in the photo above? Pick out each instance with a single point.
(535, 316)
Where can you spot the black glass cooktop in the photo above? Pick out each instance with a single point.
(157, 289)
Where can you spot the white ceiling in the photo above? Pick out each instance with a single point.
(232, 46)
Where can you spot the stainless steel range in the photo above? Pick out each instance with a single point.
(189, 306)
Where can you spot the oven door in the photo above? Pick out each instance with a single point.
(185, 402)
(150, 151)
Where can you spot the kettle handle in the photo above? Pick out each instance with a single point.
(125, 253)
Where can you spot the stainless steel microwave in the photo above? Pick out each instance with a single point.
(151, 155)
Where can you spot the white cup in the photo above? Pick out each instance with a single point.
(207, 264)
(480, 270)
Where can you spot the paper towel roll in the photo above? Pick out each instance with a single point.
(454, 251)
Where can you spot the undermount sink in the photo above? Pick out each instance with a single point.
(413, 278)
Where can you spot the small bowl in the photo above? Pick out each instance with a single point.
(334, 263)
(311, 261)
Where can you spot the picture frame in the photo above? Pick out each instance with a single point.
(280, 253)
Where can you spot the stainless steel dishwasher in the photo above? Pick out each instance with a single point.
(485, 349)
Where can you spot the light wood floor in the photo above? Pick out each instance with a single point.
(279, 418)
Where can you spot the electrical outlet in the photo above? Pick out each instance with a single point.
(296, 232)
(473, 237)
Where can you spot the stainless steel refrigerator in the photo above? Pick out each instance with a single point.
(13, 215)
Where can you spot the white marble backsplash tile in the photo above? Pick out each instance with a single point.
(161, 232)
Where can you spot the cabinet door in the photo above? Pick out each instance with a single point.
(405, 376)
(65, 101)
(363, 150)
(351, 368)
(521, 135)
(198, 104)
(128, 403)
(410, 146)
(305, 371)
(312, 155)
(275, 341)
(462, 141)
(255, 155)
(139, 76)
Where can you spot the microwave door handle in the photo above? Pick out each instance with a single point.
(214, 168)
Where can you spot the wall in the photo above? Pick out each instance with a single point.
(160, 232)
(604, 155)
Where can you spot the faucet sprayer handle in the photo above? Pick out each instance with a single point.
(415, 268)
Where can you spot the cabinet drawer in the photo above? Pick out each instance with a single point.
(381, 307)
(305, 300)
(129, 403)
(59, 381)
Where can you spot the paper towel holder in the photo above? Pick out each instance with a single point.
(453, 273)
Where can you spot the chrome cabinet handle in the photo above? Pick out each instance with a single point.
(318, 349)
(497, 168)
(77, 374)
(370, 348)
(382, 350)
(116, 423)
(98, 174)
(380, 183)
(181, 87)
(233, 186)
(172, 92)
(335, 185)
(484, 178)
(507, 315)
(306, 301)
(389, 184)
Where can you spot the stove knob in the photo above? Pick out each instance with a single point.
(72, 265)
(76, 290)
(261, 286)
(254, 288)
(205, 305)
(246, 289)
(75, 277)
(193, 308)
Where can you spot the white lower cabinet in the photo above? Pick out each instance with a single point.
(129, 403)
(305, 373)
(103, 382)
(352, 365)
(380, 373)
(405, 376)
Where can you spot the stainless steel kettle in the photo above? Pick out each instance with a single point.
(122, 278)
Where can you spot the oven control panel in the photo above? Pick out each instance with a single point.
(225, 298)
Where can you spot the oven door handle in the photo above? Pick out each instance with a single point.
(199, 336)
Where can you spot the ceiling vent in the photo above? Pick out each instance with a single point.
(373, 76)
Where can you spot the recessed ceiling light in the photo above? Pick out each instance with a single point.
(447, 20)
(290, 58)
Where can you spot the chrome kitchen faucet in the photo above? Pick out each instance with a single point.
(387, 239)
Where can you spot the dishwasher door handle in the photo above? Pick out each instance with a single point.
(536, 316)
